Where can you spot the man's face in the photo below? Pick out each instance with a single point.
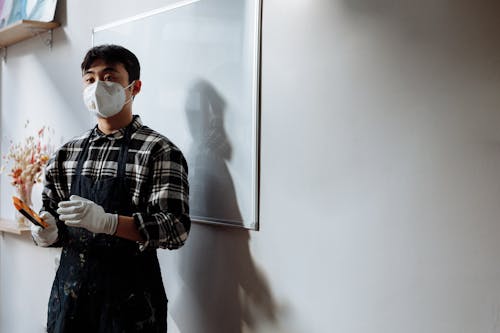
(100, 70)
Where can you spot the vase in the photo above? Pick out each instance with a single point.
(24, 193)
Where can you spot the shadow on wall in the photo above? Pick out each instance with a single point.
(61, 14)
(223, 291)
(212, 192)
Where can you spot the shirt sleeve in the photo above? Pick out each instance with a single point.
(54, 191)
(166, 222)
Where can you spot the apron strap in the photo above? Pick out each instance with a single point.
(122, 157)
(82, 156)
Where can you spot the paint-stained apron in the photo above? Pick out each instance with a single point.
(104, 284)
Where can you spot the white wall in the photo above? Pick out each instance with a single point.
(380, 173)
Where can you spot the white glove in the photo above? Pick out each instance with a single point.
(83, 213)
(48, 236)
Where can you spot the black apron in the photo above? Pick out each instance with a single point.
(104, 284)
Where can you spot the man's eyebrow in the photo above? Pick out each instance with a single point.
(105, 70)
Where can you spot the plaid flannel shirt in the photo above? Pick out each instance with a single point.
(156, 169)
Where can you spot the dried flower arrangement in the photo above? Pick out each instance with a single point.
(26, 160)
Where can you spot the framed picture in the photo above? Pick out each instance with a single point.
(12, 11)
(200, 72)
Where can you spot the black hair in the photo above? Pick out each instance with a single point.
(114, 54)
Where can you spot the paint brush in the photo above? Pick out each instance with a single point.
(24, 209)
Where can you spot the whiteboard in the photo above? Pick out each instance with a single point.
(200, 74)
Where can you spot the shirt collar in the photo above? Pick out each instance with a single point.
(97, 134)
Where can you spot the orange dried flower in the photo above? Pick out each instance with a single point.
(28, 158)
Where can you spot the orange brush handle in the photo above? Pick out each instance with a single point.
(24, 209)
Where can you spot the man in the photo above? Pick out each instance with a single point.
(112, 197)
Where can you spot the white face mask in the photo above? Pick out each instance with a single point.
(105, 98)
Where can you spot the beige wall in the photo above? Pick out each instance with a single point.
(380, 173)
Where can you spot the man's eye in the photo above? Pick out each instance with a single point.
(108, 78)
(89, 80)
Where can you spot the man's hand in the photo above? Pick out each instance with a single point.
(48, 236)
(83, 213)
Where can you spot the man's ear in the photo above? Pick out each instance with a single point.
(136, 88)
